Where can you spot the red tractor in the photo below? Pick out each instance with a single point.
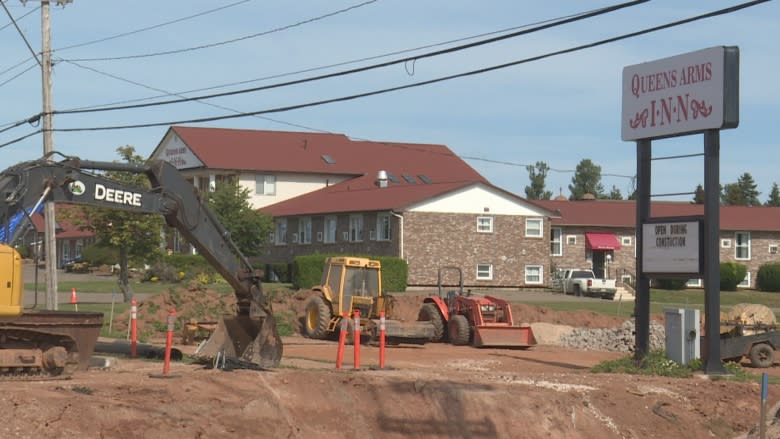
(481, 321)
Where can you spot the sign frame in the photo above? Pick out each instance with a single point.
(682, 94)
(698, 253)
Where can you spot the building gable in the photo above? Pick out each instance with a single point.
(478, 199)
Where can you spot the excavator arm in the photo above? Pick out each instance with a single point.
(250, 335)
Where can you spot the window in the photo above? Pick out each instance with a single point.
(280, 231)
(745, 282)
(695, 283)
(772, 249)
(725, 243)
(304, 230)
(485, 224)
(533, 228)
(79, 247)
(556, 249)
(533, 274)
(484, 271)
(627, 279)
(625, 240)
(265, 185)
(355, 228)
(383, 227)
(571, 239)
(742, 245)
(330, 229)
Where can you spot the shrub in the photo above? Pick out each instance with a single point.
(308, 271)
(670, 284)
(731, 274)
(100, 255)
(24, 251)
(768, 278)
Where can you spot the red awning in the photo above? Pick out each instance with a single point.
(602, 241)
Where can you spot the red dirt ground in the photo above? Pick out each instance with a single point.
(430, 391)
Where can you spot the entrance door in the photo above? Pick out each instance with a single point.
(599, 263)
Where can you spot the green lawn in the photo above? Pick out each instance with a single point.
(660, 299)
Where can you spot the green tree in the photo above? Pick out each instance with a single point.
(774, 196)
(136, 235)
(537, 174)
(615, 194)
(248, 228)
(742, 193)
(586, 180)
(698, 196)
(730, 195)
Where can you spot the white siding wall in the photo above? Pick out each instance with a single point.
(288, 186)
(478, 199)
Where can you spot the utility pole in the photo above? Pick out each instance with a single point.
(48, 142)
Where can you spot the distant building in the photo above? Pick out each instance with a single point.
(602, 234)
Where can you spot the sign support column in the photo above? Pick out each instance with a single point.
(642, 301)
(712, 364)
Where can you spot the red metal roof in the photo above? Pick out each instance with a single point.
(601, 241)
(611, 213)
(326, 153)
(417, 171)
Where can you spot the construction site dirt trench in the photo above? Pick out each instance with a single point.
(430, 391)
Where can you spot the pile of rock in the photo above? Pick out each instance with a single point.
(621, 339)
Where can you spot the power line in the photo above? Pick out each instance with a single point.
(19, 139)
(17, 75)
(329, 66)
(428, 82)
(20, 18)
(21, 34)
(119, 78)
(555, 23)
(154, 26)
(234, 40)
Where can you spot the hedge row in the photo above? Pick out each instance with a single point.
(308, 271)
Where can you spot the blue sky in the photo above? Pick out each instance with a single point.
(559, 110)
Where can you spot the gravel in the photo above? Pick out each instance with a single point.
(620, 339)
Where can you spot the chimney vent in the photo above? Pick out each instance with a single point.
(381, 178)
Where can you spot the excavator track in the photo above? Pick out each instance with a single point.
(47, 345)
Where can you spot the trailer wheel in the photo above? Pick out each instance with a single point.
(459, 331)
(316, 318)
(762, 355)
(429, 312)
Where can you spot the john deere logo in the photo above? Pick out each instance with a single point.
(76, 188)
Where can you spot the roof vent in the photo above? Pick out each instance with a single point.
(381, 178)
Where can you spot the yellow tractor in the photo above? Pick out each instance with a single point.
(352, 284)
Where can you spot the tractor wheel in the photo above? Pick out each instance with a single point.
(762, 355)
(459, 331)
(316, 318)
(429, 312)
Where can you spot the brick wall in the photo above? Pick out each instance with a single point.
(434, 240)
(575, 253)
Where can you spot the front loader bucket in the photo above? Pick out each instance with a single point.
(504, 336)
(244, 338)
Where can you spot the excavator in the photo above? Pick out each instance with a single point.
(45, 344)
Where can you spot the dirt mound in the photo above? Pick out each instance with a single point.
(202, 304)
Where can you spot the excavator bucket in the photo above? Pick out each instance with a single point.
(241, 339)
(504, 336)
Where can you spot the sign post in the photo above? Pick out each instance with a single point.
(696, 92)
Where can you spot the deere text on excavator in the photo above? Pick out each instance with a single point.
(52, 344)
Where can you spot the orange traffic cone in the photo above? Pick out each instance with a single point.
(73, 299)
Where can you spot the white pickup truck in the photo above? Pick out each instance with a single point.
(585, 283)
